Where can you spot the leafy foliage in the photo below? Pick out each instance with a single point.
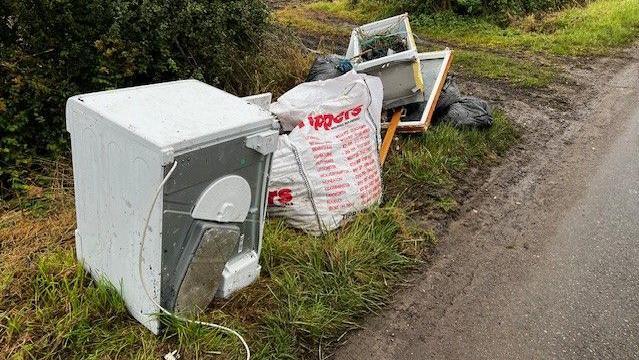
(52, 49)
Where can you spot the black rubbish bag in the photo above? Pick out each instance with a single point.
(328, 67)
(449, 95)
(469, 111)
(462, 111)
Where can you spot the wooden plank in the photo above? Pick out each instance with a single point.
(390, 134)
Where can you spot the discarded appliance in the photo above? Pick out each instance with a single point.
(398, 68)
(328, 166)
(204, 155)
(434, 68)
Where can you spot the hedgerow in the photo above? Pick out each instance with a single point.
(53, 49)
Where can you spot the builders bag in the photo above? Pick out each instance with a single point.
(327, 167)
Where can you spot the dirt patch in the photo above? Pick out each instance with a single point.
(325, 43)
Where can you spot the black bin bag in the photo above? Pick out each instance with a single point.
(328, 67)
(462, 111)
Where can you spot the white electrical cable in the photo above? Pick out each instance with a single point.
(140, 261)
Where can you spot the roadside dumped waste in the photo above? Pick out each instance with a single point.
(416, 117)
(327, 167)
(450, 94)
(462, 111)
(387, 49)
(212, 170)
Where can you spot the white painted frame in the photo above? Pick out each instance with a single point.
(426, 118)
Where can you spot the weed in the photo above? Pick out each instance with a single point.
(447, 204)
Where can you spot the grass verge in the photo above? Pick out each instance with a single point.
(593, 29)
(362, 12)
(596, 28)
(310, 292)
(311, 18)
(301, 19)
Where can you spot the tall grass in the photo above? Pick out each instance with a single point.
(282, 63)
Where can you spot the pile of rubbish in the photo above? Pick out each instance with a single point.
(329, 155)
(328, 67)
(203, 167)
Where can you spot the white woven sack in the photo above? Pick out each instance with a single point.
(328, 166)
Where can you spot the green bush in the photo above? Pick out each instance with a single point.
(53, 49)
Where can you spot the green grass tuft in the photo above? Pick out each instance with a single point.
(320, 285)
(447, 204)
(435, 160)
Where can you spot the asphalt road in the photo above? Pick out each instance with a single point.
(550, 272)
(582, 299)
